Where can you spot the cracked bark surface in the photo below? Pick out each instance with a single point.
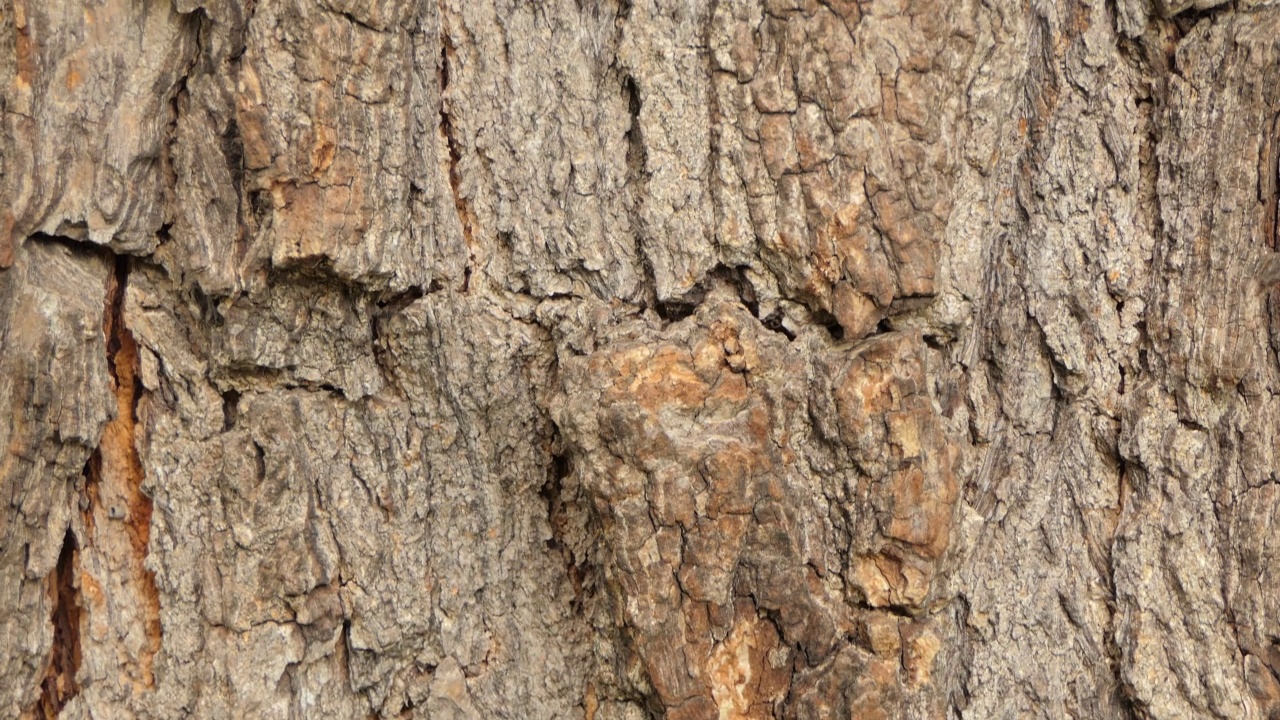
(615, 360)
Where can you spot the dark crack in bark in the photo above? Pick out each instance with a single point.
(59, 684)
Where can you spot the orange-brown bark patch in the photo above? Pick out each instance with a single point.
(118, 509)
(23, 48)
(747, 679)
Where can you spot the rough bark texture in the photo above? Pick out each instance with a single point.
(649, 358)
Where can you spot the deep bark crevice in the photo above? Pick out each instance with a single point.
(59, 684)
(637, 181)
(560, 520)
(230, 409)
(774, 321)
(466, 217)
(233, 152)
(121, 467)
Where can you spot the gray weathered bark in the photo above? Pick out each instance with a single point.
(648, 358)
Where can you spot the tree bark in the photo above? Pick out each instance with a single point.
(640, 358)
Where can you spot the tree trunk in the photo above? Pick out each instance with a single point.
(640, 358)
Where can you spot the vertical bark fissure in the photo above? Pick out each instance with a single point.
(559, 519)
(466, 217)
(1149, 62)
(59, 685)
(120, 472)
(1270, 268)
(637, 181)
(1270, 175)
